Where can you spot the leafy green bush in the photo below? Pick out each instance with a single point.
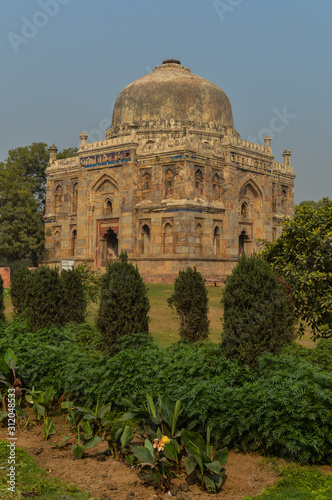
(91, 280)
(284, 407)
(303, 255)
(87, 335)
(19, 286)
(46, 299)
(191, 304)
(124, 304)
(258, 316)
(320, 356)
(74, 296)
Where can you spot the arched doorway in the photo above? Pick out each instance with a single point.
(109, 248)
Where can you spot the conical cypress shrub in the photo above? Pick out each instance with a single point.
(74, 295)
(46, 299)
(19, 287)
(258, 315)
(190, 300)
(124, 304)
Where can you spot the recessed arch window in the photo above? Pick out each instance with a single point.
(146, 186)
(198, 183)
(168, 238)
(198, 239)
(74, 197)
(73, 241)
(216, 240)
(57, 243)
(169, 183)
(145, 239)
(216, 187)
(58, 198)
(108, 207)
(245, 210)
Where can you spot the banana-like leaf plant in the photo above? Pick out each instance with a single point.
(42, 401)
(201, 459)
(118, 441)
(80, 448)
(9, 374)
(163, 414)
(96, 418)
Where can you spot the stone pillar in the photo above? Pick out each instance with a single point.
(287, 154)
(53, 152)
(83, 137)
(267, 141)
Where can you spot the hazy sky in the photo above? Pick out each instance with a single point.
(65, 61)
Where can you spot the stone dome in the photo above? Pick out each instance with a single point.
(172, 92)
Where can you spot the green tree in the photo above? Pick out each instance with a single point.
(67, 153)
(22, 202)
(190, 301)
(258, 315)
(303, 255)
(124, 303)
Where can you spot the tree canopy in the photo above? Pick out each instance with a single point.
(22, 201)
(303, 255)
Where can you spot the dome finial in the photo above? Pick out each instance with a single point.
(171, 61)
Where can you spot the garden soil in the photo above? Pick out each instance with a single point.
(107, 479)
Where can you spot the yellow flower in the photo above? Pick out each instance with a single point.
(165, 440)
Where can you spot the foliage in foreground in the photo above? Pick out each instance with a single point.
(190, 301)
(124, 304)
(258, 316)
(283, 408)
(31, 478)
(303, 255)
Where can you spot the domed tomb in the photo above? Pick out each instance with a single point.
(171, 92)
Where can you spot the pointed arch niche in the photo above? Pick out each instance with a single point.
(103, 194)
(168, 237)
(73, 241)
(250, 200)
(217, 239)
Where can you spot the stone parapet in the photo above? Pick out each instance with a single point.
(281, 167)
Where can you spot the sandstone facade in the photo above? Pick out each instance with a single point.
(173, 184)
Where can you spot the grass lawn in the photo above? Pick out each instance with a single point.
(164, 324)
(32, 481)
